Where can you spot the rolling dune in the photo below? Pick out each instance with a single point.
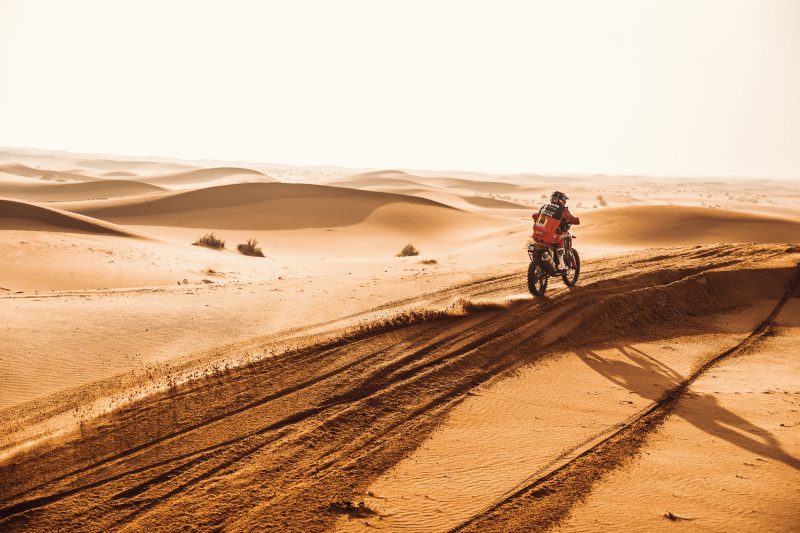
(333, 385)
(275, 206)
(661, 225)
(380, 178)
(77, 191)
(25, 171)
(140, 166)
(495, 203)
(293, 439)
(23, 216)
(399, 178)
(120, 173)
(206, 175)
(475, 185)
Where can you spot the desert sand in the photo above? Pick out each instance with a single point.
(147, 383)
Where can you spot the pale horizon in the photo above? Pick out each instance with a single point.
(683, 89)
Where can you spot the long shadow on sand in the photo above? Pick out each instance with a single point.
(649, 378)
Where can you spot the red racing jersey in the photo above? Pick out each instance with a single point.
(550, 222)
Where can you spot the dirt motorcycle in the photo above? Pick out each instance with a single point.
(547, 261)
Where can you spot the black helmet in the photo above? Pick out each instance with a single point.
(559, 198)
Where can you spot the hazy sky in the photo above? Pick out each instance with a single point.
(670, 87)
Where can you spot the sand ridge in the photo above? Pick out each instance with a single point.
(20, 215)
(337, 415)
(662, 225)
(43, 175)
(87, 190)
(205, 175)
(149, 383)
(268, 206)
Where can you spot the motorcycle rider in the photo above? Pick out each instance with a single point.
(550, 226)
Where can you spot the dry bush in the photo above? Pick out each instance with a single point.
(209, 240)
(408, 250)
(250, 248)
(429, 261)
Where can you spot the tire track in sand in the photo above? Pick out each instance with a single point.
(550, 492)
(306, 447)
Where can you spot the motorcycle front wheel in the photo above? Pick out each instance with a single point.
(570, 276)
(537, 278)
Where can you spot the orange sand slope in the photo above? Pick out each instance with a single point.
(493, 203)
(267, 206)
(460, 193)
(23, 216)
(296, 439)
(76, 191)
(23, 171)
(661, 225)
(399, 178)
(149, 383)
(380, 178)
(735, 430)
(205, 175)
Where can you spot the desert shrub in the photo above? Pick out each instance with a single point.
(429, 261)
(408, 250)
(250, 248)
(602, 201)
(209, 240)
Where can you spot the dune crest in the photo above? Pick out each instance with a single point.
(268, 206)
(119, 173)
(25, 171)
(339, 383)
(205, 175)
(665, 225)
(77, 191)
(23, 216)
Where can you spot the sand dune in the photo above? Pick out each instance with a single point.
(445, 190)
(149, 383)
(297, 438)
(76, 191)
(206, 175)
(23, 216)
(120, 173)
(495, 203)
(141, 166)
(728, 420)
(660, 225)
(44, 175)
(87, 165)
(497, 187)
(271, 206)
(399, 178)
(380, 178)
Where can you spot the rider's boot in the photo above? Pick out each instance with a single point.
(560, 259)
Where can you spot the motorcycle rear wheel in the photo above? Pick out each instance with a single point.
(537, 278)
(570, 276)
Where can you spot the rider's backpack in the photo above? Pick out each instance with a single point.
(547, 225)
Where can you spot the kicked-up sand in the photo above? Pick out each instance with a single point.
(147, 383)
